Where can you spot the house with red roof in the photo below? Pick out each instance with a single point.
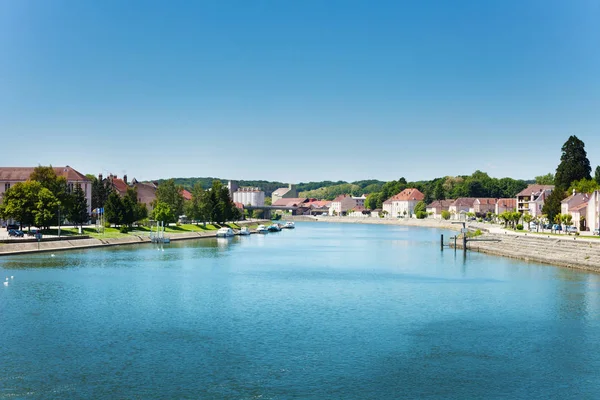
(341, 204)
(436, 207)
(403, 203)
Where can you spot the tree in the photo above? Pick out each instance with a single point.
(100, 192)
(57, 185)
(78, 213)
(574, 164)
(113, 209)
(446, 215)
(552, 204)
(420, 207)
(527, 218)
(547, 179)
(163, 212)
(45, 208)
(597, 175)
(584, 186)
(567, 219)
(19, 202)
(171, 194)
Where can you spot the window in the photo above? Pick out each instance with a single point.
(6, 186)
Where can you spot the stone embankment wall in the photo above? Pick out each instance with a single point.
(570, 252)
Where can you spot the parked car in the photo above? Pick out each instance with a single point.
(15, 233)
(596, 232)
(571, 229)
(557, 227)
(33, 232)
(547, 226)
(532, 226)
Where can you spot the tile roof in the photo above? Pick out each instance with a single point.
(464, 201)
(239, 205)
(341, 197)
(281, 191)
(507, 203)
(579, 207)
(292, 202)
(20, 174)
(409, 194)
(186, 195)
(118, 184)
(486, 200)
(441, 204)
(535, 188)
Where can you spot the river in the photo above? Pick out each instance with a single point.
(323, 311)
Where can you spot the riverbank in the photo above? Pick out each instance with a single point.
(17, 247)
(562, 251)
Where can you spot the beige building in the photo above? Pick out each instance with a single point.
(9, 176)
(436, 207)
(289, 192)
(341, 204)
(505, 205)
(531, 199)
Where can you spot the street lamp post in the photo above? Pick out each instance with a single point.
(59, 221)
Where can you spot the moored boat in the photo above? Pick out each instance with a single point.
(289, 225)
(262, 229)
(274, 228)
(244, 231)
(225, 232)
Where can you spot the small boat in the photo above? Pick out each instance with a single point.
(244, 231)
(225, 232)
(289, 225)
(262, 229)
(274, 228)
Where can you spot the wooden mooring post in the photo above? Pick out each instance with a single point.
(442, 243)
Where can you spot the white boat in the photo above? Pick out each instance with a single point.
(289, 225)
(244, 231)
(262, 229)
(225, 232)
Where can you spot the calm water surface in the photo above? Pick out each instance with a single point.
(323, 311)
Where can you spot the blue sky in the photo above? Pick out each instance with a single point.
(298, 90)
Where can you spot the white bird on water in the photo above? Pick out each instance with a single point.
(12, 277)
(51, 255)
(5, 283)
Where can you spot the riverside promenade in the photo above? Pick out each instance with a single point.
(17, 247)
(570, 251)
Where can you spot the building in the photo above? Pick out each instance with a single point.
(146, 193)
(360, 201)
(289, 192)
(436, 207)
(249, 195)
(318, 207)
(403, 203)
(576, 205)
(531, 199)
(592, 219)
(462, 206)
(484, 205)
(341, 204)
(187, 196)
(11, 175)
(505, 205)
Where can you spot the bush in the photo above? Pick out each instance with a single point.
(446, 215)
(107, 224)
(421, 215)
(519, 227)
(123, 229)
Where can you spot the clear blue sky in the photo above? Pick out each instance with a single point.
(298, 90)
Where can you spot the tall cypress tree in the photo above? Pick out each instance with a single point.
(574, 164)
(597, 175)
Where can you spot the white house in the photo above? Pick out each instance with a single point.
(341, 204)
(403, 204)
(461, 206)
(593, 211)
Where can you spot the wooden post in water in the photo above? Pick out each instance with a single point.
(455, 243)
(442, 243)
